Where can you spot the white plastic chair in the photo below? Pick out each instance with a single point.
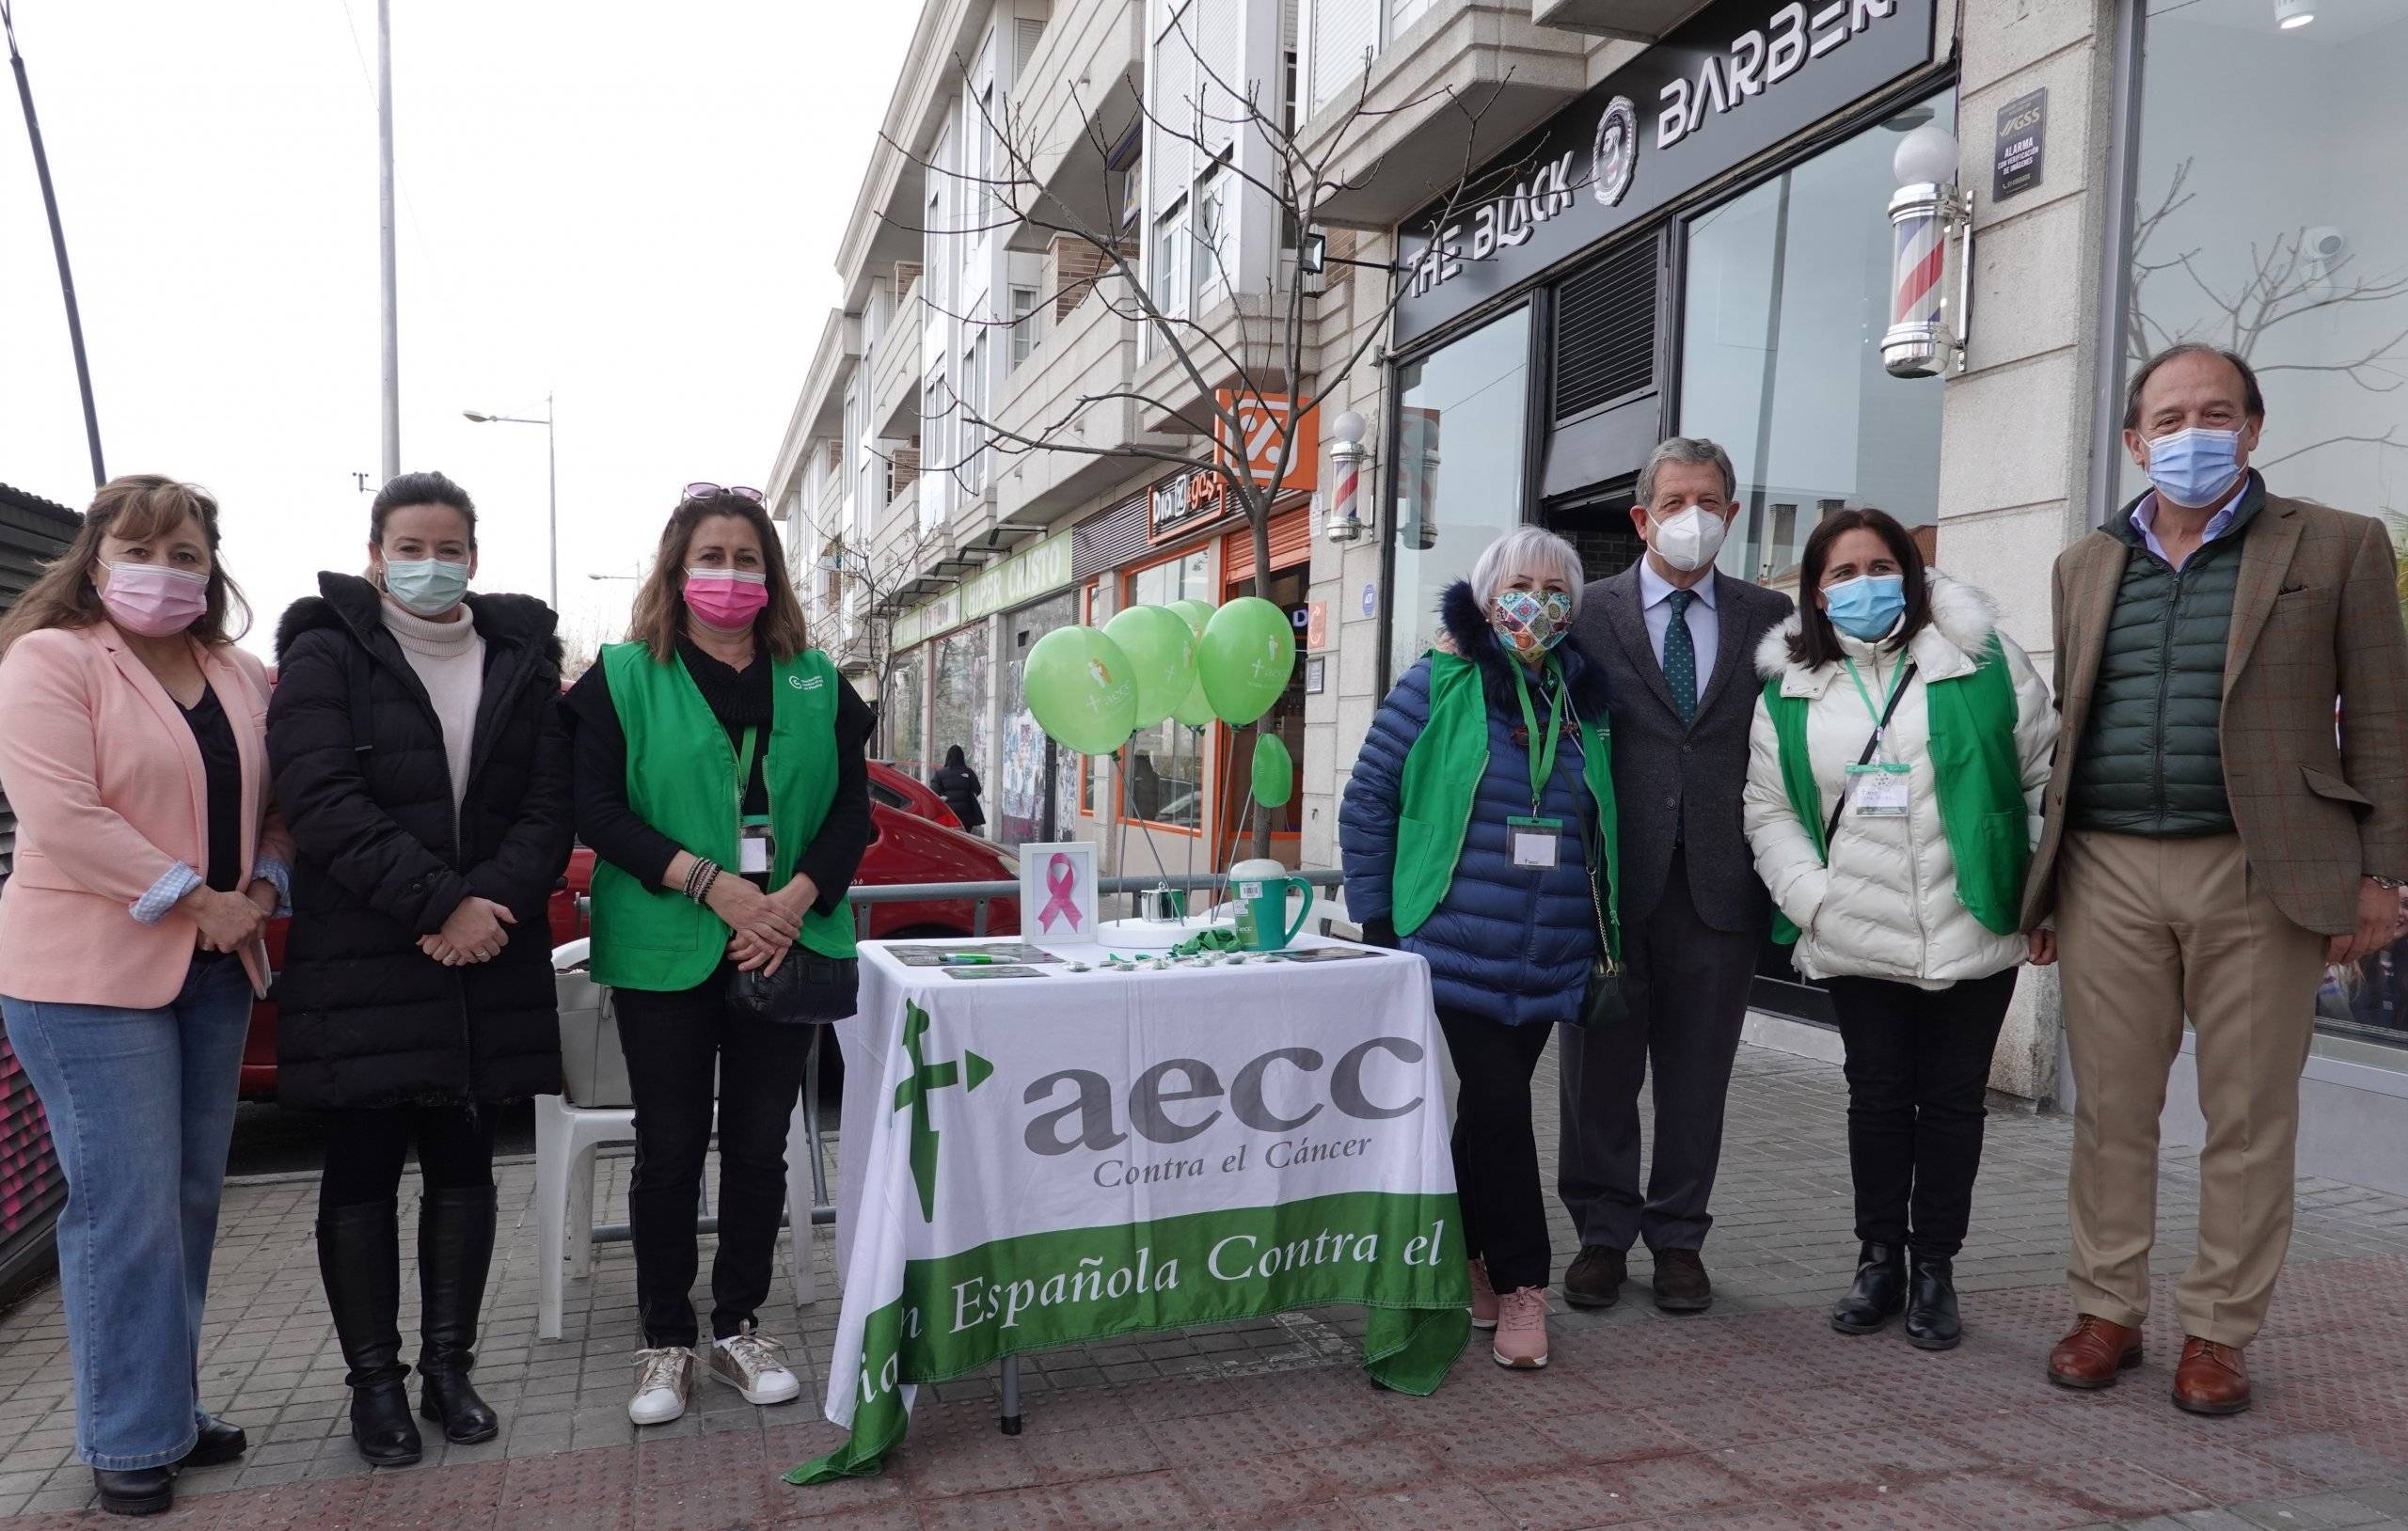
(566, 1136)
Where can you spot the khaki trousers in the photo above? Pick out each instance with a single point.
(2149, 930)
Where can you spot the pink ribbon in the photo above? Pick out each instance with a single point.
(1061, 879)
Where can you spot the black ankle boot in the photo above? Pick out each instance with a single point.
(1932, 1323)
(1879, 1292)
(141, 1490)
(454, 1251)
(359, 1258)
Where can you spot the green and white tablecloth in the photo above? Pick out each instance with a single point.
(1038, 1162)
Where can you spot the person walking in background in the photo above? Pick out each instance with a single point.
(423, 764)
(2210, 844)
(1674, 639)
(957, 785)
(722, 783)
(1478, 831)
(1900, 746)
(148, 859)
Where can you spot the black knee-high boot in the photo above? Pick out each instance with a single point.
(359, 1258)
(454, 1252)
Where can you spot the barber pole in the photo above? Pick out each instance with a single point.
(1926, 332)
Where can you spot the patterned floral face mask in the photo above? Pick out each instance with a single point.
(1530, 621)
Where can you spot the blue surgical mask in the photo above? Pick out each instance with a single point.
(2196, 468)
(429, 587)
(1867, 606)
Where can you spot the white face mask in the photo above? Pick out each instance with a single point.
(1688, 540)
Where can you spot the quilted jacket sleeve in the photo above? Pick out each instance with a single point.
(1367, 817)
(1787, 859)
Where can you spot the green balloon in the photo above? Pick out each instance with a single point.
(1196, 613)
(1161, 657)
(1193, 709)
(1248, 652)
(1081, 691)
(1275, 770)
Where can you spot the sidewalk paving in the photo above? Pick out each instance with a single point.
(1757, 1415)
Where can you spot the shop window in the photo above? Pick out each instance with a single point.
(1785, 298)
(2259, 224)
(958, 698)
(1163, 764)
(1174, 580)
(1020, 784)
(900, 709)
(1457, 463)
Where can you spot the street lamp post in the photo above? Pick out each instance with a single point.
(551, 475)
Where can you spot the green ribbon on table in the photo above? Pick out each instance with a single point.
(1218, 938)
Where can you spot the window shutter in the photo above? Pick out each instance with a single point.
(1170, 85)
(1108, 540)
(1291, 543)
(1026, 32)
(1219, 74)
(1604, 330)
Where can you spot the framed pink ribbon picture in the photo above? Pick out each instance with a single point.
(1058, 893)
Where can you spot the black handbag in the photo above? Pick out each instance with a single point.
(807, 989)
(1604, 1003)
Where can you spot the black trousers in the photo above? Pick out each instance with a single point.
(1686, 984)
(366, 1150)
(1918, 1065)
(1496, 1149)
(672, 1041)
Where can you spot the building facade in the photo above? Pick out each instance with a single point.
(1567, 228)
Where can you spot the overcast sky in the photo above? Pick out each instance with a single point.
(636, 208)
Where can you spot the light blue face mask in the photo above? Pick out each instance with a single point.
(1867, 606)
(429, 587)
(2196, 468)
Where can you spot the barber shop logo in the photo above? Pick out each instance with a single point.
(1613, 159)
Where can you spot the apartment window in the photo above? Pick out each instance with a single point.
(1024, 320)
(1168, 273)
(936, 420)
(971, 434)
(1214, 279)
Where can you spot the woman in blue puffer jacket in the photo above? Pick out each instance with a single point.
(1447, 856)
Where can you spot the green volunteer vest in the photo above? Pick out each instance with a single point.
(1441, 781)
(681, 780)
(1981, 787)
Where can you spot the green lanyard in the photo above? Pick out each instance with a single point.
(1541, 758)
(744, 776)
(1897, 678)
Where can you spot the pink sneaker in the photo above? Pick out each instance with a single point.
(1484, 1296)
(1521, 1329)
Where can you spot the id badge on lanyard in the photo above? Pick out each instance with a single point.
(1537, 841)
(1877, 789)
(756, 851)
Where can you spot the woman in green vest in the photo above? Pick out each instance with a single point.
(722, 783)
(1478, 833)
(1900, 748)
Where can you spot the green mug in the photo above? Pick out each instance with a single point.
(1262, 913)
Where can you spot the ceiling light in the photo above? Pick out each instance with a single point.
(2291, 15)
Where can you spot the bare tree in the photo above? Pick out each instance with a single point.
(2285, 282)
(872, 586)
(1215, 352)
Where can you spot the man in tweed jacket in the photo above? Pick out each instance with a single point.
(2212, 841)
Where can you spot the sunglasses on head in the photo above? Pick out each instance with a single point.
(712, 491)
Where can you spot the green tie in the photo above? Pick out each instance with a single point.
(1680, 658)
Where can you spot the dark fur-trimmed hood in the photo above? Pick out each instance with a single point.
(1468, 634)
(350, 605)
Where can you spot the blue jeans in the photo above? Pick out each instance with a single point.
(142, 1107)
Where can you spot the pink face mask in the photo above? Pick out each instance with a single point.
(153, 600)
(726, 597)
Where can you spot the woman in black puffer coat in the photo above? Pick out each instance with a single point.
(421, 762)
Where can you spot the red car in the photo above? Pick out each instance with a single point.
(913, 845)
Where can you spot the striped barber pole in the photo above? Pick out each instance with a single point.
(1921, 255)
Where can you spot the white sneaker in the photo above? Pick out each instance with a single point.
(664, 1380)
(755, 1368)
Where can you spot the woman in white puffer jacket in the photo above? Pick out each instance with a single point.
(1898, 851)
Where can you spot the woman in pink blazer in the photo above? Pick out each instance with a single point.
(147, 862)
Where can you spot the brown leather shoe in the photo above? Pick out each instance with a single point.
(1596, 1278)
(2211, 1378)
(1681, 1284)
(2094, 1354)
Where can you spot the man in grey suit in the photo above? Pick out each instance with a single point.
(1677, 640)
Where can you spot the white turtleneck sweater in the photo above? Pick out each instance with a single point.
(450, 659)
